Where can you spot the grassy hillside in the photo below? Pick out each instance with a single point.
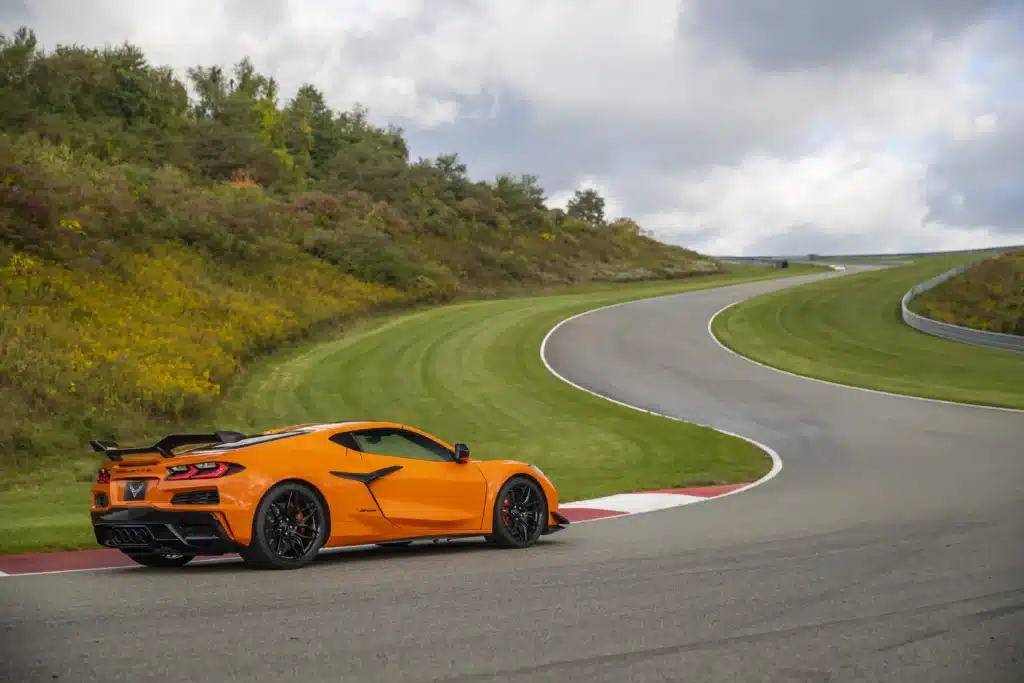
(988, 295)
(151, 245)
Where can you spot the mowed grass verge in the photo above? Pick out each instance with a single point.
(467, 372)
(849, 330)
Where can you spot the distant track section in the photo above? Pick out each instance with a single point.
(959, 333)
(753, 261)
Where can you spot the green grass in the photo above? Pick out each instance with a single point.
(468, 372)
(849, 330)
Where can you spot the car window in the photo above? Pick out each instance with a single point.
(345, 439)
(252, 440)
(400, 443)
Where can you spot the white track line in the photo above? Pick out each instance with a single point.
(837, 384)
(776, 459)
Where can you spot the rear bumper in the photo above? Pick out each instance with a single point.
(560, 523)
(149, 530)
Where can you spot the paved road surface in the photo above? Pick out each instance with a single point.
(888, 549)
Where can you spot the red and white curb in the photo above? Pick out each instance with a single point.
(645, 501)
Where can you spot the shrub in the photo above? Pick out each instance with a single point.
(988, 295)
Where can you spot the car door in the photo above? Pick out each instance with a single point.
(417, 483)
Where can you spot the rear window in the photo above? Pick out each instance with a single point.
(253, 440)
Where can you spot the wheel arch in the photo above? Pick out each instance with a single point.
(493, 497)
(304, 482)
(493, 534)
(497, 473)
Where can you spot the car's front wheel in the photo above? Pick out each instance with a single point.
(520, 513)
(289, 528)
(162, 561)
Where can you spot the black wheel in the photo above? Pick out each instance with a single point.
(288, 529)
(520, 512)
(163, 561)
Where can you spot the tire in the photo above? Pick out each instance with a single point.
(276, 539)
(161, 561)
(520, 513)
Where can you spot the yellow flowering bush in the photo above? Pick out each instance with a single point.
(161, 336)
(988, 295)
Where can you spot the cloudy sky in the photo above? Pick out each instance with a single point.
(730, 126)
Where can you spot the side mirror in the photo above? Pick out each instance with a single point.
(461, 453)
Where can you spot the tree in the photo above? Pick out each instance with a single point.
(519, 191)
(587, 205)
(454, 172)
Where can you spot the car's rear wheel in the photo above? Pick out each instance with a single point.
(288, 529)
(162, 561)
(520, 513)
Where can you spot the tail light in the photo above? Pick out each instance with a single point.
(202, 470)
(103, 476)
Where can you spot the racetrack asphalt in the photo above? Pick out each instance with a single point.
(889, 548)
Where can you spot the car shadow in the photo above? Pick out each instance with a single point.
(356, 554)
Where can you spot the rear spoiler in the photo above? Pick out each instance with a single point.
(165, 446)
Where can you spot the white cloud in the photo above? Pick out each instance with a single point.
(874, 198)
(721, 133)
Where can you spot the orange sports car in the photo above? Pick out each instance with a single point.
(279, 497)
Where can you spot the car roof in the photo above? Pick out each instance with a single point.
(302, 430)
(285, 432)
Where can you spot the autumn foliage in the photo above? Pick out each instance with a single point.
(988, 295)
(151, 244)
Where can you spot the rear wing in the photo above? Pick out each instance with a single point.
(165, 446)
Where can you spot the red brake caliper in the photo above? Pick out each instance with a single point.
(505, 516)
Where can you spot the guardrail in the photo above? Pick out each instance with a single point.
(887, 256)
(966, 335)
(754, 261)
(775, 262)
